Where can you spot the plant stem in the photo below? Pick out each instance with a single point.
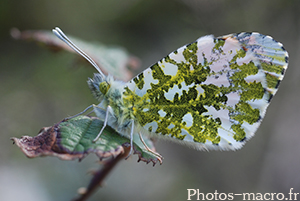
(101, 174)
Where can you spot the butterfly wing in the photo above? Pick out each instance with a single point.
(210, 94)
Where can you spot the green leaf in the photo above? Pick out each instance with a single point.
(73, 139)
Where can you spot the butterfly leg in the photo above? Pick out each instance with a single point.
(131, 139)
(108, 110)
(86, 109)
(159, 157)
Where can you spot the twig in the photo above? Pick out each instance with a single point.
(101, 174)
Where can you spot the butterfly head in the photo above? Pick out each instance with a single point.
(98, 86)
(103, 87)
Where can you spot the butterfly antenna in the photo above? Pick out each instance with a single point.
(60, 34)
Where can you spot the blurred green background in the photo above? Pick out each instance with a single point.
(39, 88)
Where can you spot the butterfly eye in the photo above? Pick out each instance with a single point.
(103, 87)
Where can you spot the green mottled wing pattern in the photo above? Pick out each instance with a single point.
(210, 94)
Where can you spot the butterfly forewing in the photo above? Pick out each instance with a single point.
(210, 94)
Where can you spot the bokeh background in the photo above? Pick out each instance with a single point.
(39, 88)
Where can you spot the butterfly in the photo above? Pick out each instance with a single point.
(211, 94)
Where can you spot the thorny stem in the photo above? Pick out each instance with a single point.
(101, 174)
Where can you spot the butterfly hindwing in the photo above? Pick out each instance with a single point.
(210, 94)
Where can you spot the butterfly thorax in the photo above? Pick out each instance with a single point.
(122, 112)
